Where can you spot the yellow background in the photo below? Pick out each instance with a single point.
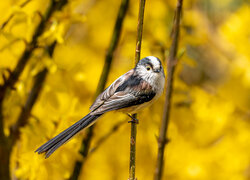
(209, 127)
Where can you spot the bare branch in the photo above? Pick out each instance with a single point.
(102, 82)
(133, 131)
(13, 78)
(24, 58)
(6, 143)
(32, 98)
(12, 15)
(106, 136)
(170, 67)
(139, 30)
(25, 113)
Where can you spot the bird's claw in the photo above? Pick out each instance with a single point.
(133, 119)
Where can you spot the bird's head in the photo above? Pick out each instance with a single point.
(150, 69)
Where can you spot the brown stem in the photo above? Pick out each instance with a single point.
(165, 119)
(24, 58)
(133, 130)
(6, 143)
(102, 82)
(25, 113)
(106, 136)
(4, 154)
(13, 78)
(12, 15)
(139, 30)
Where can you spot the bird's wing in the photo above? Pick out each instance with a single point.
(110, 91)
(123, 99)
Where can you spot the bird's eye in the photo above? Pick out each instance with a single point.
(148, 68)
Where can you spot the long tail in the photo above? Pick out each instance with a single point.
(53, 144)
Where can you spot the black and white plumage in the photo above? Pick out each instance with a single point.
(129, 93)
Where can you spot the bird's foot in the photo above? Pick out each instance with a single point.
(133, 119)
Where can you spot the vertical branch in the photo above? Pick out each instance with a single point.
(133, 124)
(106, 136)
(24, 58)
(102, 82)
(139, 30)
(4, 152)
(12, 15)
(172, 61)
(133, 132)
(6, 143)
(30, 47)
(25, 113)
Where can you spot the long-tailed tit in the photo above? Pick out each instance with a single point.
(129, 93)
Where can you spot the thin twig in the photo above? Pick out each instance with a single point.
(30, 47)
(23, 117)
(133, 131)
(24, 58)
(25, 113)
(170, 67)
(34, 93)
(6, 143)
(102, 82)
(139, 30)
(12, 15)
(106, 136)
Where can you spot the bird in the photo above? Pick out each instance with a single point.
(129, 93)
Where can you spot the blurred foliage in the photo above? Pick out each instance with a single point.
(210, 117)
